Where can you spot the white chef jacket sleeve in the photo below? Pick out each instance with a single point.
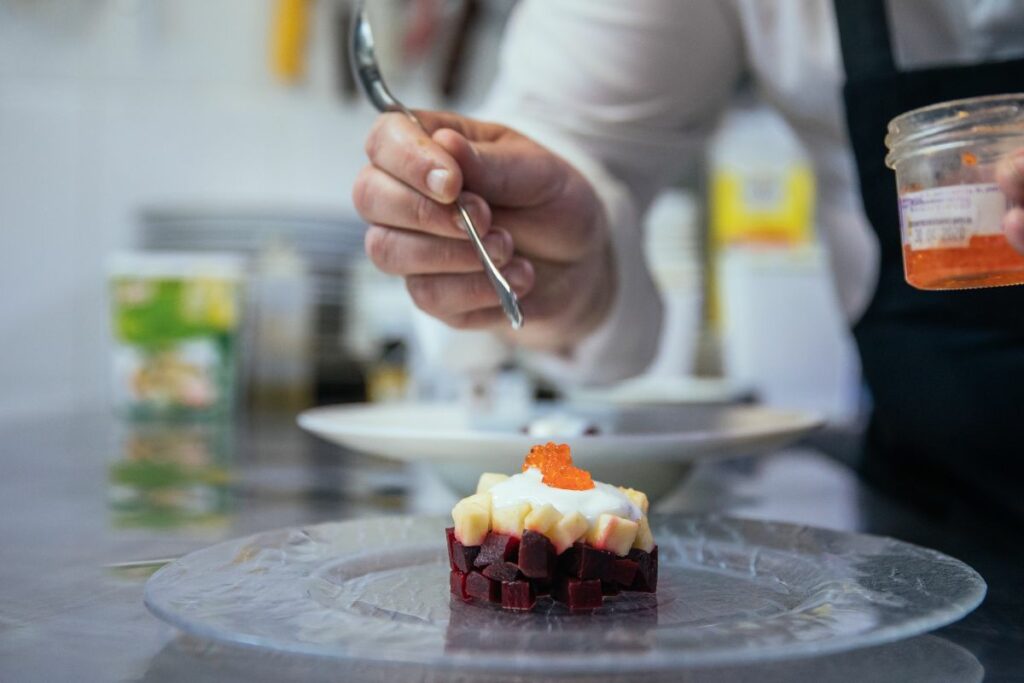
(627, 92)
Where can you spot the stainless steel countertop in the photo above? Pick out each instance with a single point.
(67, 510)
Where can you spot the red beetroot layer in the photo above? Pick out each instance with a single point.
(460, 556)
(512, 572)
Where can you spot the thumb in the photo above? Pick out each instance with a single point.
(1010, 176)
(1013, 228)
(509, 171)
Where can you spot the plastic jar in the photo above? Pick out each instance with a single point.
(951, 208)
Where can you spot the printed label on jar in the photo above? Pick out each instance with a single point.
(179, 375)
(949, 216)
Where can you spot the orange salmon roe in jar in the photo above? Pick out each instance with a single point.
(951, 208)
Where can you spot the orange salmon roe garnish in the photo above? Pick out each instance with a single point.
(969, 159)
(554, 460)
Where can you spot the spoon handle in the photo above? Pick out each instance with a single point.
(506, 295)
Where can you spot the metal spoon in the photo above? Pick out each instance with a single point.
(367, 73)
(154, 564)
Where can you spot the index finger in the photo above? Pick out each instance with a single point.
(511, 171)
(403, 150)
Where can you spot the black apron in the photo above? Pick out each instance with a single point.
(945, 369)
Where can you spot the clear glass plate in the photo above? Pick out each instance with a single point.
(730, 591)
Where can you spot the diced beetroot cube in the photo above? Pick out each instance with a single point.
(461, 556)
(480, 587)
(560, 589)
(536, 555)
(457, 582)
(577, 594)
(646, 579)
(585, 594)
(449, 535)
(610, 588)
(518, 595)
(623, 572)
(497, 548)
(502, 571)
(569, 560)
(586, 562)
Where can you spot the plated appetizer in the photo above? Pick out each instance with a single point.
(550, 530)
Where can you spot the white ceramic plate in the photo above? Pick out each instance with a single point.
(648, 448)
(730, 591)
(659, 390)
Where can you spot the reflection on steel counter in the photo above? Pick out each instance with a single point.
(168, 475)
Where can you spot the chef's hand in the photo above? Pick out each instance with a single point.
(1010, 175)
(539, 219)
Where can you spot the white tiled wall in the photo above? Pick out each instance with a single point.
(109, 105)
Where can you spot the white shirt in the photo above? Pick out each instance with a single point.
(628, 92)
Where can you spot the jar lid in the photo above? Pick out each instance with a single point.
(949, 125)
(175, 265)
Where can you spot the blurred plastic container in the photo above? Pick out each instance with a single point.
(673, 253)
(761, 192)
(761, 182)
(175, 333)
(784, 337)
(280, 330)
(951, 208)
(772, 298)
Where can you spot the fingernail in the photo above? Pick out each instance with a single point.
(474, 211)
(436, 181)
(516, 276)
(496, 244)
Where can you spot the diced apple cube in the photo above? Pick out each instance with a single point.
(472, 516)
(638, 498)
(567, 531)
(612, 533)
(510, 519)
(489, 479)
(644, 538)
(542, 519)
